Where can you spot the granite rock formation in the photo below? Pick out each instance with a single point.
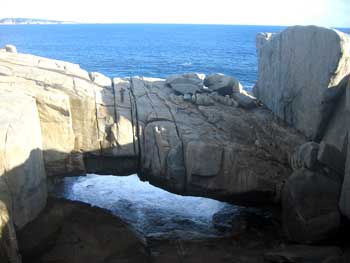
(304, 80)
(300, 75)
(57, 119)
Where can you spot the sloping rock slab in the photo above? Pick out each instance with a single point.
(73, 232)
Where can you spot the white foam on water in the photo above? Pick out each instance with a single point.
(151, 210)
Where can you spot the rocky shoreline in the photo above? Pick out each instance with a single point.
(189, 134)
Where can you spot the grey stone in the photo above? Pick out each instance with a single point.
(224, 85)
(188, 97)
(262, 38)
(244, 100)
(203, 99)
(336, 131)
(185, 83)
(310, 206)
(330, 156)
(298, 77)
(305, 156)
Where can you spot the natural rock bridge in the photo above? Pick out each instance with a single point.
(59, 120)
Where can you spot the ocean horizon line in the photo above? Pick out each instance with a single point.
(60, 23)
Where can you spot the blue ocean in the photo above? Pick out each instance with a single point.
(152, 50)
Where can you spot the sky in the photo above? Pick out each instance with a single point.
(330, 13)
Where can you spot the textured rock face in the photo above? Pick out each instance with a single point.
(216, 150)
(183, 137)
(310, 206)
(204, 145)
(77, 122)
(303, 79)
(300, 70)
(22, 174)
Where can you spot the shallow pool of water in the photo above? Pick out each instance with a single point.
(150, 210)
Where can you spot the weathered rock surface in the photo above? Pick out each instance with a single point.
(299, 77)
(206, 146)
(22, 173)
(68, 231)
(310, 206)
(230, 152)
(183, 137)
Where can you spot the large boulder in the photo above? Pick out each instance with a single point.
(310, 206)
(186, 83)
(224, 85)
(210, 149)
(300, 72)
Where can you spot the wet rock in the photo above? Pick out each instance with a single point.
(304, 254)
(68, 231)
(185, 83)
(310, 206)
(247, 225)
(223, 85)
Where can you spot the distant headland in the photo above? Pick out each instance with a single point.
(31, 21)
